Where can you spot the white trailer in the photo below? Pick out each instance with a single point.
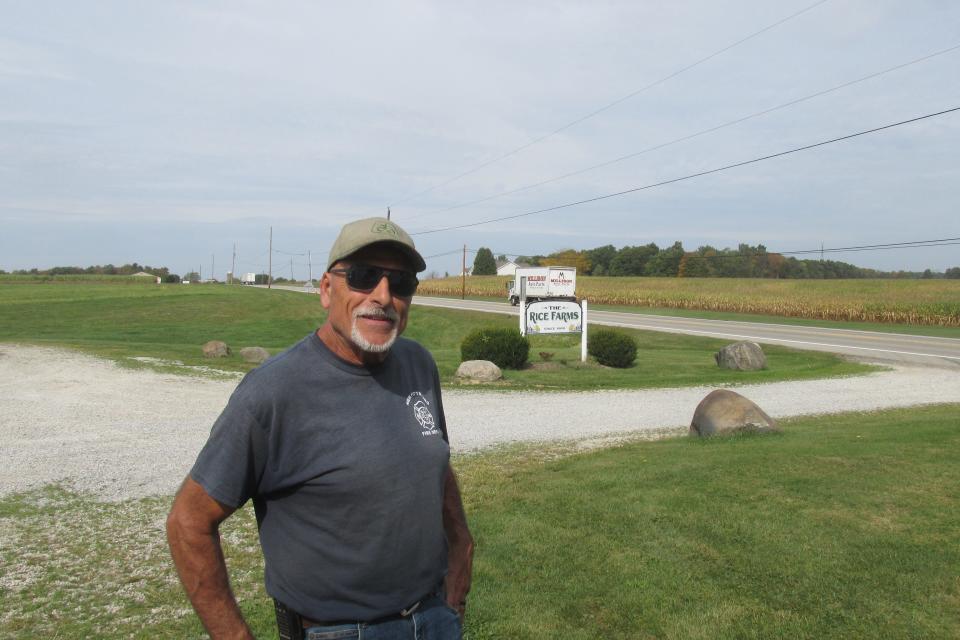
(543, 283)
(249, 278)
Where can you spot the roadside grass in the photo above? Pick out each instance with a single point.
(171, 323)
(843, 526)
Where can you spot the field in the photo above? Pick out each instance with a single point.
(841, 527)
(917, 302)
(171, 322)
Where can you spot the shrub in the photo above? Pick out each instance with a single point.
(612, 348)
(506, 348)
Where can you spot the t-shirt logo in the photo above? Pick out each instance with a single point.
(421, 411)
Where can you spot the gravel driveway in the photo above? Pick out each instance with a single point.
(119, 433)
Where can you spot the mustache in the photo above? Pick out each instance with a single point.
(376, 312)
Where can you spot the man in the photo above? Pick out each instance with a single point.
(341, 443)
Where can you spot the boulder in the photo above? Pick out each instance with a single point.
(216, 349)
(479, 371)
(255, 355)
(742, 356)
(724, 411)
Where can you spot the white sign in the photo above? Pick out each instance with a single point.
(553, 317)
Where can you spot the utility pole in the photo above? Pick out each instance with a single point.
(463, 275)
(291, 269)
(310, 266)
(233, 265)
(212, 264)
(200, 274)
(388, 213)
(270, 262)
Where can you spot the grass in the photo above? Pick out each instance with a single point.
(172, 322)
(844, 526)
(910, 302)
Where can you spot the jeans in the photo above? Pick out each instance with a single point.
(433, 620)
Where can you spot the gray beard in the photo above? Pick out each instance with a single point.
(362, 343)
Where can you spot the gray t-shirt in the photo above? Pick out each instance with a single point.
(345, 466)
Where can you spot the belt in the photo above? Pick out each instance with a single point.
(400, 615)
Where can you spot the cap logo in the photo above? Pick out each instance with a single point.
(385, 227)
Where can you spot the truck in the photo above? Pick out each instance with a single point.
(249, 278)
(543, 283)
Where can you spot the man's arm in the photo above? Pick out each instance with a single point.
(194, 537)
(460, 543)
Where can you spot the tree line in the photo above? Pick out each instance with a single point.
(745, 261)
(101, 270)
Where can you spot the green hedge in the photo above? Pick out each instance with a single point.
(506, 348)
(612, 348)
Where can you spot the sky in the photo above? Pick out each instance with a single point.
(178, 133)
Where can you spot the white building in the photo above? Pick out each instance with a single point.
(509, 267)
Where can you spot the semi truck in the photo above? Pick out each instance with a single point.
(543, 283)
(249, 278)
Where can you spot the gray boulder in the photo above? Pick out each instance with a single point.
(724, 411)
(255, 355)
(742, 356)
(479, 371)
(216, 349)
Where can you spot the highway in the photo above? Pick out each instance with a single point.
(868, 345)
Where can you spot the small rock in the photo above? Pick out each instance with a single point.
(216, 349)
(742, 356)
(479, 371)
(724, 411)
(255, 355)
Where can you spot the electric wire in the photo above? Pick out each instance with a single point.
(686, 137)
(610, 105)
(689, 176)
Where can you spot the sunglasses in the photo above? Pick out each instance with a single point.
(365, 277)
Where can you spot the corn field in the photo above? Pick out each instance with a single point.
(925, 302)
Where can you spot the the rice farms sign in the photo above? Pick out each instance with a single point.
(556, 316)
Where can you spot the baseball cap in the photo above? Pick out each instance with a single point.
(363, 233)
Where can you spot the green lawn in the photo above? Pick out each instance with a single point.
(172, 322)
(842, 526)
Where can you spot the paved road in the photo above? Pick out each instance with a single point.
(870, 345)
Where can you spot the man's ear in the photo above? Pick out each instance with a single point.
(326, 282)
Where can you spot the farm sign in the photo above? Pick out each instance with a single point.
(553, 316)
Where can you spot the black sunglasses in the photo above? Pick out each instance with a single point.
(366, 277)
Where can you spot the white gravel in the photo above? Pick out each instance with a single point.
(118, 433)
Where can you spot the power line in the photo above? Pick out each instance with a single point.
(690, 176)
(610, 105)
(688, 137)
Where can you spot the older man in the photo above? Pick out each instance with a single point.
(341, 443)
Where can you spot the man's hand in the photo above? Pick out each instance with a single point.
(460, 543)
(194, 537)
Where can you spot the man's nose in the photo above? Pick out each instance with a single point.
(381, 292)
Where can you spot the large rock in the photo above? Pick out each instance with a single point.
(479, 371)
(724, 411)
(216, 349)
(255, 355)
(742, 356)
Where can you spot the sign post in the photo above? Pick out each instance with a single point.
(583, 332)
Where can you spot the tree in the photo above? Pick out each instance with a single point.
(953, 273)
(666, 263)
(600, 259)
(571, 258)
(484, 264)
(172, 278)
(191, 276)
(631, 261)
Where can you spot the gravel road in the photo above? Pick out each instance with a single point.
(119, 433)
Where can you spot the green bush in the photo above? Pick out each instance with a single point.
(506, 348)
(612, 348)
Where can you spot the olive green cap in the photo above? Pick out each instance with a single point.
(363, 233)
